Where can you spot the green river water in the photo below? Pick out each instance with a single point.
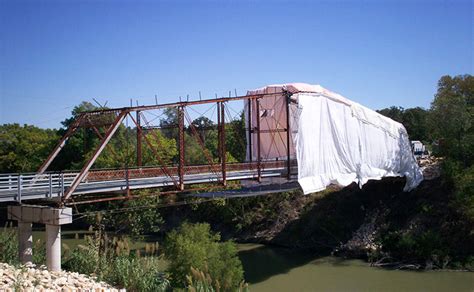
(278, 269)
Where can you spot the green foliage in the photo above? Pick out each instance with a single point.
(24, 148)
(199, 281)
(464, 195)
(111, 261)
(137, 274)
(194, 245)
(165, 148)
(415, 121)
(452, 116)
(8, 245)
(132, 217)
(235, 138)
(39, 252)
(427, 245)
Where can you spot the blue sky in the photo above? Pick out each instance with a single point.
(55, 54)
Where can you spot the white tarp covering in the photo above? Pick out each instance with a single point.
(338, 141)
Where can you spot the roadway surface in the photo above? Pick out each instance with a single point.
(14, 187)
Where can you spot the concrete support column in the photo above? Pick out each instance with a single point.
(53, 218)
(25, 242)
(53, 247)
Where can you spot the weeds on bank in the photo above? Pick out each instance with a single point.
(9, 247)
(111, 260)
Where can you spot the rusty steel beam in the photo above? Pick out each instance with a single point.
(131, 197)
(148, 171)
(219, 141)
(223, 148)
(182, 103)
(71, 130)
(139, 142)
(181, 162)
(271, 131)
(288, 133)
(108, 135)
(259, 159)
(250, 129)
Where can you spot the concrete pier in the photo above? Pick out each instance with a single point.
(53, 247)
(25, 242)
(53, 218)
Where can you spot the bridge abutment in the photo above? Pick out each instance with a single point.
(53, 218)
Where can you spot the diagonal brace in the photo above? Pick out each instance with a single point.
(108, 135)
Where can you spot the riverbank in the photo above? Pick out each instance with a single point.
(379, 223)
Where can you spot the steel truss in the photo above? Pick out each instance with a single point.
(111, 119)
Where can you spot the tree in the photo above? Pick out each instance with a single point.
(73, 155)
(134, 217)
(415, 120)
(393, 112)
(236, 142)
(202, 126)
(195, 246)
(452, 116)
(165, 147)
(24, 148)
(169, 123)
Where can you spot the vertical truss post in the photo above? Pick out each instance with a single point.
(219, 142)
(250, 129)
(139, 142)
(108, 135)
(223, 149)
(288, 136)
(259, 167)
(181, 147)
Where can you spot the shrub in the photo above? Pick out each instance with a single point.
(199, 281)
(8, 245)
(464, 193)
(111, 261)
(194, 245)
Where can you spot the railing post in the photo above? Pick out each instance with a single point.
(259, 167)
(61, 182)
(18, 198)
(50, 182)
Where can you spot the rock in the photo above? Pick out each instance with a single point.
(30, 278)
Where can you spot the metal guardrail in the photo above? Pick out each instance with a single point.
(53, 184)
(18, 187)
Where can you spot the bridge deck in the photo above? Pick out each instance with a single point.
(20, 187)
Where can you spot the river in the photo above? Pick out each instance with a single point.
(279, 269)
